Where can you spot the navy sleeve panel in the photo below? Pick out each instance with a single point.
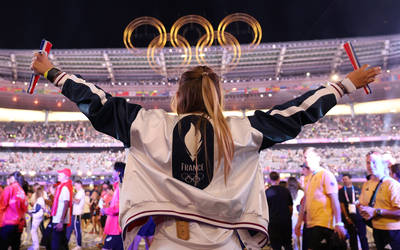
(284, 122)
(36, 209)
(110, 115)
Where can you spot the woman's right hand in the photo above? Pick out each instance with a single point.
(40, 63)
(362, 77)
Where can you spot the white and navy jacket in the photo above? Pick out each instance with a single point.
(160, 174)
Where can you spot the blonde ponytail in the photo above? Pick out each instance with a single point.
(213, 105)
(200, 91)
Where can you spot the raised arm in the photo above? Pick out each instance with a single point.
(110, 115)
(284, 122)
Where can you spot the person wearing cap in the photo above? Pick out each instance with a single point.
(77, 211)
(103, 203)
(61, 210)
(112, 229)
(321, 203)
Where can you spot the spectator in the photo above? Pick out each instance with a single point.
(388, 161)
(321, 203)
(86, 218)
(13, 206)
(297, 194)
(78, 206)
(112, 229)
(105, 199)
(94, 212)
(28, 217)
(305, 177)
(61, 210)
(385, 208)
(348, 196)
(280, 204)
(37, 215)
(395, 171)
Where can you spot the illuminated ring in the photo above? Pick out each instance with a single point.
(231, 44)
(226, 40)
(255, 25)
(192, 19)
(154, 47)
(144, 21)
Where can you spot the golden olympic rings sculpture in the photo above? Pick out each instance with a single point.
(225, 39)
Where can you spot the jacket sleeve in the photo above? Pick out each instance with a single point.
(110, 115)
(114, 210)
(24, 206)
(36, 208)
(284, 122)
(4, 199)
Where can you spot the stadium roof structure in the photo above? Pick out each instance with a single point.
(268, 75)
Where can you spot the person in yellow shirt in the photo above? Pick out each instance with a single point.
(384, 207)
(395, 171)
(321, 202)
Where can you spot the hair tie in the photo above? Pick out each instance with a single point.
(204, 73)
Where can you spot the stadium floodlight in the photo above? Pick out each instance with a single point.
(89, 173)
(335, 77)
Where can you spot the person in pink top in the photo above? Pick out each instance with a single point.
(13, 206)
(112, 229)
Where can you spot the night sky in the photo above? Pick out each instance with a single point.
(100, 24)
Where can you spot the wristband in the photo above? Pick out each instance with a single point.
(340, 84)
(52, 74)
(340, 224)
(45, 74)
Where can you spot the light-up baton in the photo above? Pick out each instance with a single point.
(45, 47)
(348, 47)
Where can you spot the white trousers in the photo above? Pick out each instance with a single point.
(202, 236)
(35, 225)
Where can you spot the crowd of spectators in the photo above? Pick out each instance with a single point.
(51, 162)
(332, 127)
(53, 132)
(345, 126)
(335, 159)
